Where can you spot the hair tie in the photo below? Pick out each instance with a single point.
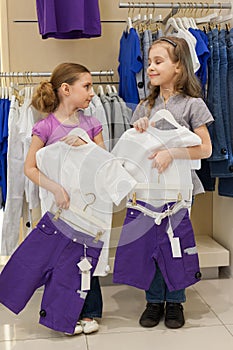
(169, 41)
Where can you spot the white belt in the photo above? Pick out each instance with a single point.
(159, 216)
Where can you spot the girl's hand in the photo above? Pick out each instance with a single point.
(161, 160)
(62, 198)
(73, 140)
(141, 124)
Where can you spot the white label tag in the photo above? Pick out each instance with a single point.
(86, 280)
(84, 265)
(175, 244)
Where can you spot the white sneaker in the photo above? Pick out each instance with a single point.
(89, 326)
(78, 329)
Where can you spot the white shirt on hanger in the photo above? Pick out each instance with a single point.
(94, 180)
(134, 148)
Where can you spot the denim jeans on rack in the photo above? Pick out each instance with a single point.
(210, 85)
(221, 168)
(147, 41)
(217, 130)
(225, 187)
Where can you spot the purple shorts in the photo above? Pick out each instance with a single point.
(142, 243)
(49, 257)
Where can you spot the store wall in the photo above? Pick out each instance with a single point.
(23, 49)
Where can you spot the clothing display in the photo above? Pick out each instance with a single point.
(112, 112)
(94, 179)
(20, 121)
(219, 101)
(134, 148)
(171, 244)
(124, 234)
(130, 63)
(188, 111)
(171, 231)
(18, 124)
(4, 113)
(48, 257)
(68, 20)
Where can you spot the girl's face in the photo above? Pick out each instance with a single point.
(161, 70)
(81, 92)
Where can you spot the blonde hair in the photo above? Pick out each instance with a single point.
(45, 98)
(186, 83)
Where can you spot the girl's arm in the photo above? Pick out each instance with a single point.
(32, 172)
(98, 139)
(162, 159)
(74, 140)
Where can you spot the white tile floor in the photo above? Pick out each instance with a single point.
(208, 313)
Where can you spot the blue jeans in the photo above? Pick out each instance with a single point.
(221, 168)
(226, 184)
(93, 303)
(158, 291)
(217, 129)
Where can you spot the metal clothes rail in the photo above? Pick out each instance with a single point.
(100, 73)
(178, 5)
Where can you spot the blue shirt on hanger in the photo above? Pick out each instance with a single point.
(130, 63)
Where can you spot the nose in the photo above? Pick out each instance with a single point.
(92, 92)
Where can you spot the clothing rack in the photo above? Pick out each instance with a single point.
(178, 5)
(48, 74)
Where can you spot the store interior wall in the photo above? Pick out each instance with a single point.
(23, 49)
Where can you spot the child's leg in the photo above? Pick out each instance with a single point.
(155, 297)
(174, 316)
(93, 303)
(92, 307)
(157, 291)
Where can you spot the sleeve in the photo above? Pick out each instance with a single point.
(96, 126)
(41, 129)
(117, 181)
(139, 112)
(199, 114)
(136, 54)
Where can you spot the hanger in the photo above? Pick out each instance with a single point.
(171, 192)
(83, 214)
(114, 89)
(158, 216)
(222, 19)
(171, 25)
(108, 89)
(129, 20)
(174, 10)
(206, 18)
(164, 114)
(100, 89)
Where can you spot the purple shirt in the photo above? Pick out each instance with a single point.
(50, 130)
(69, 19)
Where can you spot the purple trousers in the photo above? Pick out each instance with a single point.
(49, 256)
(142, 243)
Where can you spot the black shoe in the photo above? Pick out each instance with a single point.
(174, 317)
(152, 315)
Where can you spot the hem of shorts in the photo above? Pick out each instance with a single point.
(131, 284)
(58, 329)
(179, 287)
(15, 310)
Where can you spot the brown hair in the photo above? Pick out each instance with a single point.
(187, 83)
(45, 98)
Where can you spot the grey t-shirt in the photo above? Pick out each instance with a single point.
(190, 112)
